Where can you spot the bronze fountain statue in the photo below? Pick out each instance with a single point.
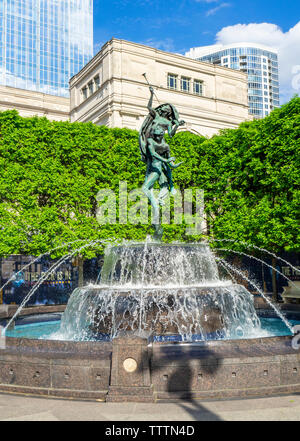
(155, 152)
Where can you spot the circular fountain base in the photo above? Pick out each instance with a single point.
(163, 371)
(149, 291)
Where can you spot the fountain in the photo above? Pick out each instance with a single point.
(160, 324)
(159, 290)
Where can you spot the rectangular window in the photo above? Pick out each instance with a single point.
(172, 81)
(198, 87)
(185, 84)
(84, 93)
(91, 88)
(97, 82)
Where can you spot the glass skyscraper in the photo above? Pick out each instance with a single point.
(43, 43)
(259, 62)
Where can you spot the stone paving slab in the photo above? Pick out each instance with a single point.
(26, 408)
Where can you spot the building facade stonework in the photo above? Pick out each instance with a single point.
(111, 89)
(30, 103)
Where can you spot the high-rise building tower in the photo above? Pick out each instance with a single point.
(258, 61)
(43, 43)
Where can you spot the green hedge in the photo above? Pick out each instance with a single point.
(52, 171)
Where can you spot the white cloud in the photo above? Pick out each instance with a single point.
(213, 11)
(267, 33)
(271, 35)
(166, 44)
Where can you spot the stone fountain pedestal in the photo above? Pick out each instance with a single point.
(130, 371)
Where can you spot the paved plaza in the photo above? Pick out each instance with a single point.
(26, 408)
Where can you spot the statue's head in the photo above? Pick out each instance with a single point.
(168, 111)
(157, 131)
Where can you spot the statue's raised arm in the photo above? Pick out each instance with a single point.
(150, 108)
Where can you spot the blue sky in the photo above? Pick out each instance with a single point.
(179, 25)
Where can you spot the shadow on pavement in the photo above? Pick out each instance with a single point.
(195, 364)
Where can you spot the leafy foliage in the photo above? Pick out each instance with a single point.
(52, 171)
(256, 194)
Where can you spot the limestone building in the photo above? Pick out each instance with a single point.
(111, 89)
(30, 103)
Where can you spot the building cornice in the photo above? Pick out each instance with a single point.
(22, 93)
(32, 108)
(124, 45)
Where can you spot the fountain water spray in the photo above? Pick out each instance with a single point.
(286, 322)
(258, 260)
(39, 257)
(54, 267)
(257, 248)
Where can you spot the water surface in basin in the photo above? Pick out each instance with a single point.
(49, 330)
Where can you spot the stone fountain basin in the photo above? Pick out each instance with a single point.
(204, 310)
(87, 370)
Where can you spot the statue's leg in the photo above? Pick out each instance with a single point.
(170, 179)
(147, 189)
(164, 188)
